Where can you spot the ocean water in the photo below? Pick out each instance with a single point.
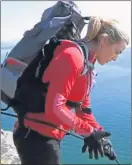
(110, 100)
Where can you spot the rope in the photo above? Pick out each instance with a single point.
(43, 122)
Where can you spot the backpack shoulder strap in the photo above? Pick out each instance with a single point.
(48, 53)
(87, 64)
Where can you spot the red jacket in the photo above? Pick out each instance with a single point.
(66, 83)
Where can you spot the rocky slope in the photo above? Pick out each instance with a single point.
(8, 151)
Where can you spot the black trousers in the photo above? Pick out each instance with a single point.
(36, 149)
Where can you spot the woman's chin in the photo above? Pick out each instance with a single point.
(102, 62)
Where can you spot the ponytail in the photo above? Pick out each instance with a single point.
(95, 25)
(98, 26)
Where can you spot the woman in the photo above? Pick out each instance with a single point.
(40, 144)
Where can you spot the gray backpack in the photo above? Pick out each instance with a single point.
(61, 21)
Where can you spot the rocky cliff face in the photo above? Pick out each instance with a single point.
(8, 151)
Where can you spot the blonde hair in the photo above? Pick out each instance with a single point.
(99, 26)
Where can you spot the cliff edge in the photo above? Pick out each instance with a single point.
(8, 151)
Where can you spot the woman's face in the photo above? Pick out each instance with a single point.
(107, 52)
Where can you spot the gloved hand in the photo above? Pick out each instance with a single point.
(94, 144)
(108, 150)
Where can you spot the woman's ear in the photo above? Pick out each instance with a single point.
(103, 39)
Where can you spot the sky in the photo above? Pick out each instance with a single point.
(19, 16)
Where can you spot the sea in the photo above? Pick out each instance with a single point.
(111, 105)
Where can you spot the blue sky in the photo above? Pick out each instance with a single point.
(19, 16)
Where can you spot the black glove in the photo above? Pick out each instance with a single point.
(94, 144)
(108, 150)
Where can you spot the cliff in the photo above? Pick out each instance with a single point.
(8, 151)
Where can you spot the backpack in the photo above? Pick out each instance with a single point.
(22, 87)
